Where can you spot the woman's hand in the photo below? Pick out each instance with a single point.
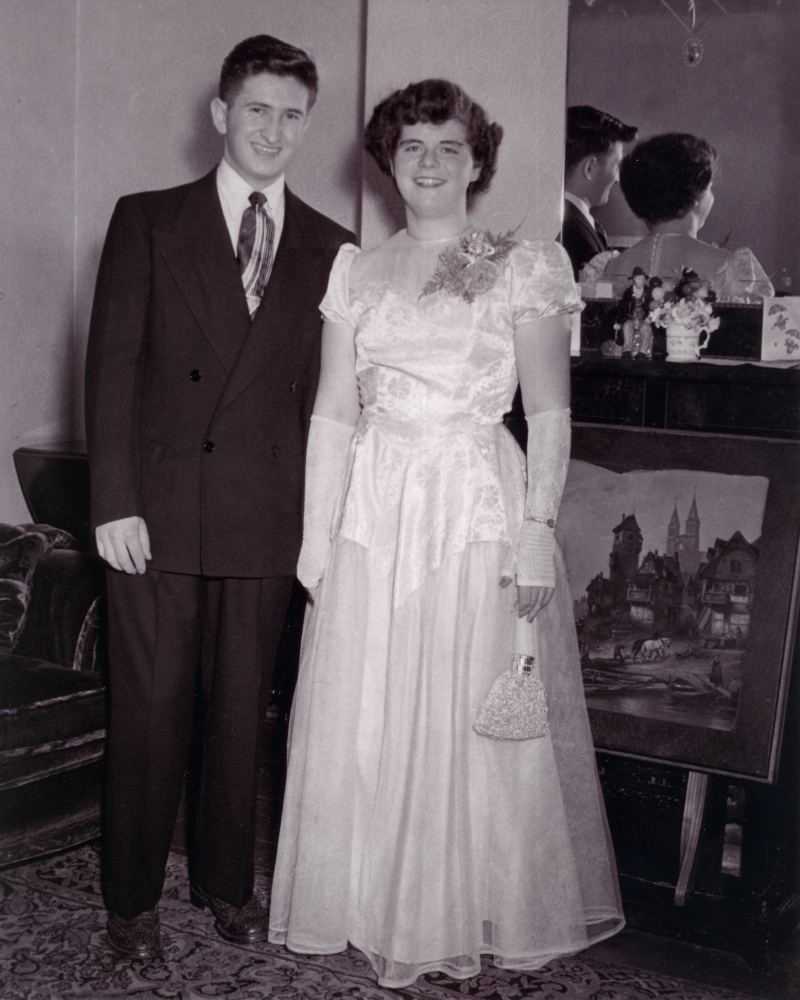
(530, 600)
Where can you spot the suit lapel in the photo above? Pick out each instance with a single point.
(589, 230)
(298, 253)
(198, 252)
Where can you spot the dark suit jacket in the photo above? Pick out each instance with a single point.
(579, 239)
(197, 418)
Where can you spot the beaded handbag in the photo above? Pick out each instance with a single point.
(516, 706)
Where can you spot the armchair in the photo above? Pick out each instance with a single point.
(52, 692)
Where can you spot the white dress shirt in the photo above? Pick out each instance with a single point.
(234, 194)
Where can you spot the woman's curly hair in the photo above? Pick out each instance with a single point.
(433, 102)
(663, 177)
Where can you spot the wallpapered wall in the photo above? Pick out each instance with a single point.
(106, 97)
(37, 232)
(626, 58)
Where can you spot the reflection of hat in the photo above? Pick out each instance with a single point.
(584, 117)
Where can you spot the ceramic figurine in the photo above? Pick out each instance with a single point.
(632, 318)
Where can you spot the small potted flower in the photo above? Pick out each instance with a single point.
(687, 316)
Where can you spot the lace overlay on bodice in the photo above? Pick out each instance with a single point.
(432, 469)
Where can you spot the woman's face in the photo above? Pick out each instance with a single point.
(433, 167)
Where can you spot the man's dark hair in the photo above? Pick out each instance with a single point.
(433, 102)
(592, 133)
(663, 177)
(265, 54)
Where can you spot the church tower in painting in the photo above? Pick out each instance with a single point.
(685, 545)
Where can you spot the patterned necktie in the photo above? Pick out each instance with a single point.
(256, 239)
(601, 233)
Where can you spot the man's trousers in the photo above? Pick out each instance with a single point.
(172, 636)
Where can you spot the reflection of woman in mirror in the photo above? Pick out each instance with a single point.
(404, 831)
(667, 182)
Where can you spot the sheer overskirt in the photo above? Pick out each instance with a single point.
(406, 833)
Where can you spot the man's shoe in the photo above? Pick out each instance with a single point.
(241, 925)
(139, 937)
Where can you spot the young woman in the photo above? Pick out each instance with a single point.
(404, 831)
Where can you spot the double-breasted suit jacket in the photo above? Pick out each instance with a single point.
(580, 239)
(196, 416)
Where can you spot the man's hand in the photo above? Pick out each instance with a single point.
(124, 544)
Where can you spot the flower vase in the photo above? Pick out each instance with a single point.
(684, 344)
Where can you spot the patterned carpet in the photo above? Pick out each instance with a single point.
(52, 947)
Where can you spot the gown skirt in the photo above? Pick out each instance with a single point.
(405, 832)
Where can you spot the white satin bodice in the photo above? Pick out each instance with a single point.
(432, 468)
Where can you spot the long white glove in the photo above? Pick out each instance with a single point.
(549, 435)
(326, 459)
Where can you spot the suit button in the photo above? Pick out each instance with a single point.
(208, 446)
(195, 375)
(276, 450)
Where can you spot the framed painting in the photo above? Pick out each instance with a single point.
(682, 557)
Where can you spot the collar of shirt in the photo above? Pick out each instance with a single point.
(581, 205)
(234, 193)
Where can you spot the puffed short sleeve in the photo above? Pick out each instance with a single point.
(335, 307)
(745, 279)
(541, 282)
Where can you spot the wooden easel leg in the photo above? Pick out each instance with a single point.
(693, 807)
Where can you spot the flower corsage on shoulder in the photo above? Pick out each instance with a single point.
(472, 266)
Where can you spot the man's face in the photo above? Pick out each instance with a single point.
(605, 174)
(263, 124)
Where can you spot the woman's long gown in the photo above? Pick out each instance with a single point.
(404, 832)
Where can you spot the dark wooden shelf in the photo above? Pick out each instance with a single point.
(723, 399)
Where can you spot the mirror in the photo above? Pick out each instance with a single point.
(723, 70)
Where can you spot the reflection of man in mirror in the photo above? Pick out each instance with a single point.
(593, 155)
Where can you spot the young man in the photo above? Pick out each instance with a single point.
(593, 155)
(201, 373)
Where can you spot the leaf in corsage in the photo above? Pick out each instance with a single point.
(472, 266)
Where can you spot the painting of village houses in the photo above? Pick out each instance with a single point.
(662, 566)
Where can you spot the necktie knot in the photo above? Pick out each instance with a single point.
(257, 199)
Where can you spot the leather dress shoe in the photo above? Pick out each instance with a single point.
(240, 925)
(139, 937)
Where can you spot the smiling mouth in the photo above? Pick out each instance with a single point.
(429, 182)
(266, 150)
